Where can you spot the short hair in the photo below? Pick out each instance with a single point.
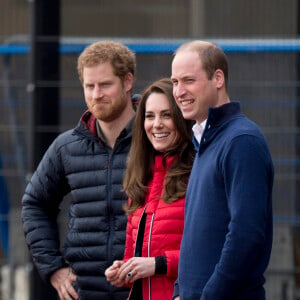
(122, 59)
(211, 56)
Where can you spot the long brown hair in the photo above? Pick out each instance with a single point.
(142, 154)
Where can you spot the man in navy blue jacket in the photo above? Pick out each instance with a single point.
(87, 162)
(227, 237)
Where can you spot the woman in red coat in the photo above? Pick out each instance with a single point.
(158, 168)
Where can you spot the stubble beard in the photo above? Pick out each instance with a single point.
(113, 111)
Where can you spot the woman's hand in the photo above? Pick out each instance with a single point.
(136, 268)
(111, 274)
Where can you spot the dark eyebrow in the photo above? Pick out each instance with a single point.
(163, 111)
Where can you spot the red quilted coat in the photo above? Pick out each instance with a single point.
(163, 232)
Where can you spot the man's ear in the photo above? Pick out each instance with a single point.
(219, 78)
(128, 82)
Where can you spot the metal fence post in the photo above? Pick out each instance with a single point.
(43, 90)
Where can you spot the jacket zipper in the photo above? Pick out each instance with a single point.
(149, 244)
(135, 246)
(110, 219)
(111, 154)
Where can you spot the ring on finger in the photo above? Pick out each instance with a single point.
(129, 274)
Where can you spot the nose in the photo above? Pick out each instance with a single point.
(178, 90)
(97, 93)
(157, 122)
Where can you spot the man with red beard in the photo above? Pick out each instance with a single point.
(86, 162)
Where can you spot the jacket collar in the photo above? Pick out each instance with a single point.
(87, 126)
(220, 115)
(162, 165)
(217, 116)
(89, 121)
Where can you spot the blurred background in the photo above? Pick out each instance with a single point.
(40, 96)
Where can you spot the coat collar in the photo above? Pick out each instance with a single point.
(88, 122)
(217, 116)
(223, 113)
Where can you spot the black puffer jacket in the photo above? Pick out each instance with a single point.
(78, 162)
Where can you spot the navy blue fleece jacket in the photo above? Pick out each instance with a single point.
(227, 236)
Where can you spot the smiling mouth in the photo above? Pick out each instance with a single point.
(186, 102)
(160, 135)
